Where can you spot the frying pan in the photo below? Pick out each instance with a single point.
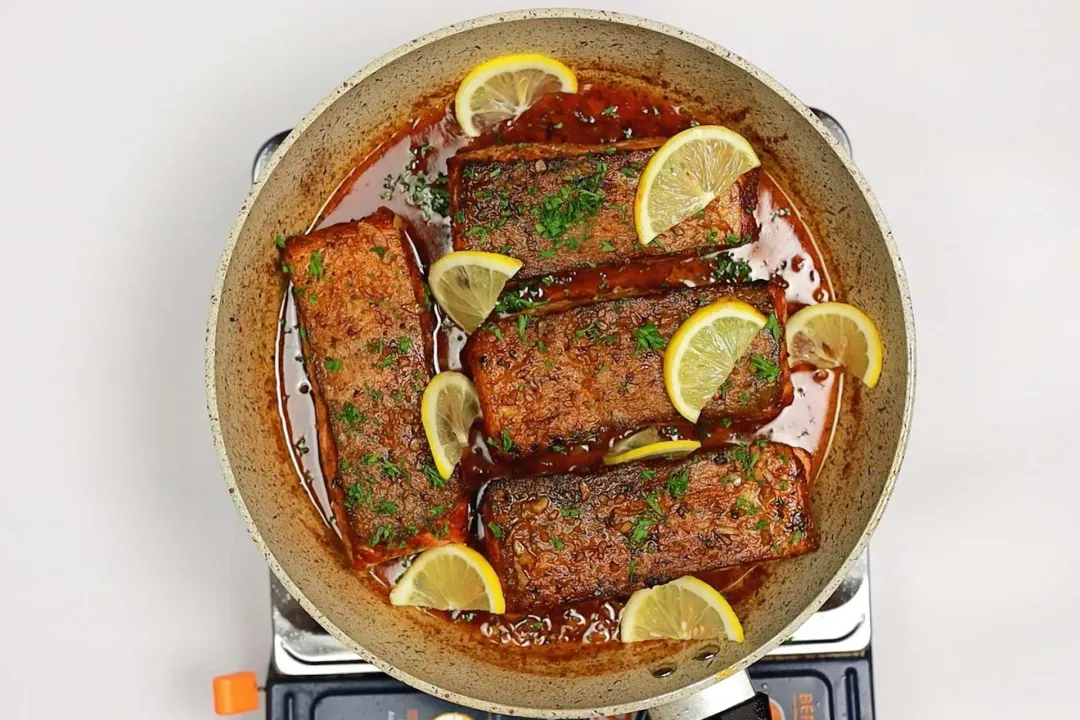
(448, 660)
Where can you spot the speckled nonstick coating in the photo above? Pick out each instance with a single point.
(438, 657)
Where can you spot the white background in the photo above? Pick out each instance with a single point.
(126, 136)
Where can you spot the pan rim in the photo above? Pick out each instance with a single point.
(561, 14)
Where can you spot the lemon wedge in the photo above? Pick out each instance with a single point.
(664, 448)
(450, 577)
(832, 334)
(683, 609)
(507, 86)
(467, 284)
(448, 409)
(704, 350)
(687, 173)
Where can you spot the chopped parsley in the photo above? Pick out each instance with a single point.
(315, 265)
(568, 206)
(279, 241)
(728, 269)
(352, 417)
(762, 524)
(590, 332)
(386, 508)
(744, 458)
(764, 368)
(648, 337)
(570, 512)
(557, 543)
(383, 534)
(641, 527)
(746, 506)
(607, 247)
(496, 531)
(357, 494)
(647, 474)
(773, 326)
(780, 213)
(430, 194)
(726, 422)
(494, 330)
(710, 237)
(512, 303)
(795, 537)
(404, 345)
(653, 503)
(506, 443)
(379, 250)
(677, 483)
(390, 468)
(433, 477)
(374, 394)
(287, 268)
(332, 365)
(610, 110)
(522, 321)
(783, 485)
(633, 568)
(370, 459)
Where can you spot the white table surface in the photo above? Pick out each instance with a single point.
(126, 135)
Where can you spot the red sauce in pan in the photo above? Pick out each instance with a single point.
(402, 175)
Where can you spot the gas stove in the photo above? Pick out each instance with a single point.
(822, 672)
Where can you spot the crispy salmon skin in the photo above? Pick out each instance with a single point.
(558, 379)
(366, 338)
(564, 538)
(559, 206)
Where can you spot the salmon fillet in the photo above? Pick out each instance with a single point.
(565, 538)
(558, 379)
(366, 338)
(559, 207)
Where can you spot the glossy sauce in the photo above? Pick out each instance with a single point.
(403, 174)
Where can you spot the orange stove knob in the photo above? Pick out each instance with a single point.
(236, 693)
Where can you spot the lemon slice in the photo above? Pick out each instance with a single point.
(450, 577)
(704, 350)
(683, 609)
(648, 436)
(686, 174)
(665, 448)
(467, 284)
(448, 409)
(505, 87)
(832, 334)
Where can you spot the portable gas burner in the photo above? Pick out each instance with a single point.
(822, 672)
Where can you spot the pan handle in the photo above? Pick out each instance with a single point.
(733, 698)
